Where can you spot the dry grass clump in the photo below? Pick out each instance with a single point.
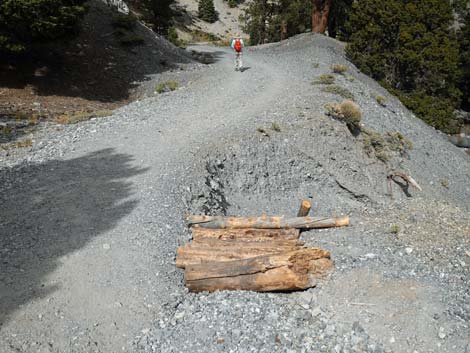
(18, 144)
(276, 127)
(339, 91)
(166, 86)
(383, 146)
(325, 79)
(398, 143)
(381, 100)
(338, 68)
(347, 111)
(81, 116)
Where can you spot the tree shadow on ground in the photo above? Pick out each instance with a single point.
(49, 210)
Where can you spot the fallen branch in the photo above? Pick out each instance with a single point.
(274, 222)
(406, 178)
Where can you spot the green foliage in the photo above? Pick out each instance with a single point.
(233, 3)
(24, 22)
(394, 229)
(206, 11)
(381, 100)
(166, 86)
(339, 91)
(325, 79)
(464, 40)
(126, 22)
(158, 12)
(263, 19)
(131, 40)
(409, 47)
(339, 12)
(173, 36)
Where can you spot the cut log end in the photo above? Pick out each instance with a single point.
(304, 210)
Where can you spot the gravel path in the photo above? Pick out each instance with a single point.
(91, 218)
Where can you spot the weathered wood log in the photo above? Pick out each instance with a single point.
(280, 272)
(247, 234)
(220, 251)
(243, 243)
(304, 209)
(265, 222)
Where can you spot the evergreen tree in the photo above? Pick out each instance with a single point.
(206, 11)
(408, 45)
(265, 20)
(339, 14)
(465, 62)
(160, 14)
(24, 23)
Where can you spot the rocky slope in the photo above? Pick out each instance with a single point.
(91, 218)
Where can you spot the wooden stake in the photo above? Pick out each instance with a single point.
(304, 209)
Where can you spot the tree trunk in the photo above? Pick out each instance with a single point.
(325, 15)
(220, 222)
(281, 272)
(320, 14)
(316, 15)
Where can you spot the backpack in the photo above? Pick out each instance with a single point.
(238, 45)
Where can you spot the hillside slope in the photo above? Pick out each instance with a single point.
(92, 217)
(225, 27)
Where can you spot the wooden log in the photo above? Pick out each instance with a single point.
(247, 234)
(197, 253)
(244, 243)
(304, 209)
(274, 222)
(280, 272)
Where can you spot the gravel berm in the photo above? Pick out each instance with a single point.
(91, 216)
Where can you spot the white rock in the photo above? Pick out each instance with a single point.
(409, 250)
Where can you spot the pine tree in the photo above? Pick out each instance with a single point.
(465, 62)
(408, 45)
(160, 14)
(27, 22)
(206, 11)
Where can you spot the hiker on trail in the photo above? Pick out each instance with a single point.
(237, 45)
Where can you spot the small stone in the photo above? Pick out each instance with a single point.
(179, 315)
(409, 250)
(392, 340)
(441, 333)
(316, 311)
(106, 246)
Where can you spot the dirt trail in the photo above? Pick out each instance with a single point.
(88, 235)
(78, 272)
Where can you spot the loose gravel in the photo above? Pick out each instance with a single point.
(92, 216)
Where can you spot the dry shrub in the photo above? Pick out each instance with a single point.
(338, 68)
